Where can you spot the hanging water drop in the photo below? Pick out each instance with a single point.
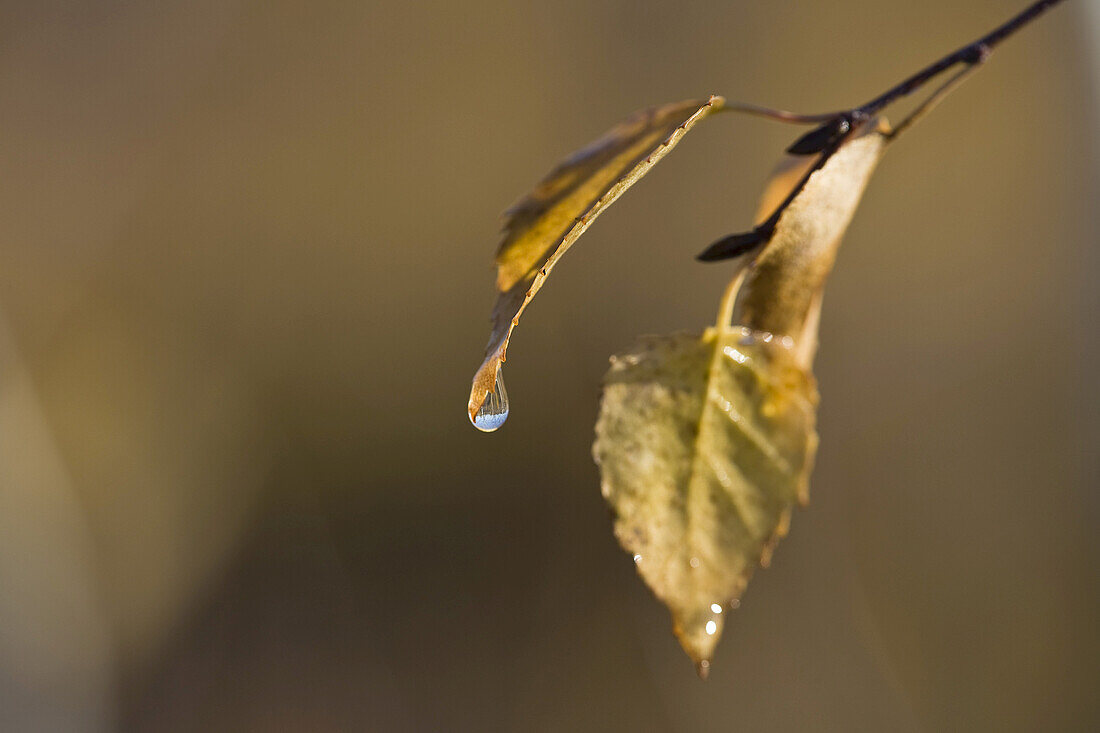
(494, 410)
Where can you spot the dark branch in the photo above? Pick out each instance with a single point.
(827, 138)
(971, 54)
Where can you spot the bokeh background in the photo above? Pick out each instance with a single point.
(245, 278)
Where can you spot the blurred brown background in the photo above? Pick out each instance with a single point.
(245, 278)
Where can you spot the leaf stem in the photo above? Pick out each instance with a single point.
(729, 299)
(779, 115)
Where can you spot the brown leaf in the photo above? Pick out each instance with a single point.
(543, 225)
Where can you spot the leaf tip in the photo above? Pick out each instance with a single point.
(698, 631)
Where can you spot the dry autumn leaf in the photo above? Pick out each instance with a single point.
(543, 225)
(705, 443)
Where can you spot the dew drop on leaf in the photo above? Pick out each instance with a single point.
(494, 410)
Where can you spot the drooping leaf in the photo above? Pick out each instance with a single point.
(706, 443)
(543, 225)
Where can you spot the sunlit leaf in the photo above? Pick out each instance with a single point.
(543, 225)
(706, 443)
(784, 284)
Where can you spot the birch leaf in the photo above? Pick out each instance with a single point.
(543, 225)
(705, 443)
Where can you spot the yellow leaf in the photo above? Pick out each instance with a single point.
(542, 226)
(705, 443)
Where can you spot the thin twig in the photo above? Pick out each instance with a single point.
(932, 100)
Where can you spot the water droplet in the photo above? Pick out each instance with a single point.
(637, 558)
(735, 354)
(694, 562)
(735, 603)
(711, 628)
(716, 608)
(494, 410)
